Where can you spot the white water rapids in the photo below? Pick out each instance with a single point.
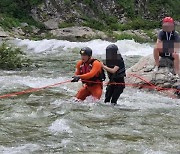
(50, 121)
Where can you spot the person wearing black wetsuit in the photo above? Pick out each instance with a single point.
(115, 68)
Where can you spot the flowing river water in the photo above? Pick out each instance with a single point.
(51, 121)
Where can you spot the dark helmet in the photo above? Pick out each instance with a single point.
(111, 55)
(86, 51)
(112, 48)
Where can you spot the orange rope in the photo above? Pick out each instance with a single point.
(32, 90)
(149, 86)
(165, 90)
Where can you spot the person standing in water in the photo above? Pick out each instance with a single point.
(167, 44)
(89, 71)
(116, 72)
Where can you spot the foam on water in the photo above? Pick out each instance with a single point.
(27, 148)
(139, 99)
(9, 81)
(54, 124)
(126, 47)
(60, 126)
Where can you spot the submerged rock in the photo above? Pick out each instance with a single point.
(142, 73)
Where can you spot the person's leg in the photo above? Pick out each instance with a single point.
(108, 94)
(176, 63)
(83, 93)
(156, 56)
(118, 90)
(96, 90)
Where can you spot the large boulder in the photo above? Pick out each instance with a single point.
(142, 73)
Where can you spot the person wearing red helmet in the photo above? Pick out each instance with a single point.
(167, 44)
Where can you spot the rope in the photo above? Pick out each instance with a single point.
(32, 90)
(149, 86)
(165, 90)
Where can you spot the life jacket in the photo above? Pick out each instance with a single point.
(86, 68)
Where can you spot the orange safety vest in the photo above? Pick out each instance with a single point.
(86, 68)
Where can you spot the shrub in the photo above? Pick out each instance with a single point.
(12, 58)
(124, 36)
(8, 22)
(93, 23)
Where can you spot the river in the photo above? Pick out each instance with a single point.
(51, 121)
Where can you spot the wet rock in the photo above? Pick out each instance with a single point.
(35, 30)
(17, 31)
(143, 73)
(51, 24)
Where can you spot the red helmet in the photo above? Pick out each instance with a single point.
(168, 19)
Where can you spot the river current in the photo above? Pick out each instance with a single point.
(51, 121)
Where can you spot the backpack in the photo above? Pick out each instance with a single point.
(102, 75)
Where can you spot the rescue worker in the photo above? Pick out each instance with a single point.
(116, 72)
(167, 44)
(88, 70)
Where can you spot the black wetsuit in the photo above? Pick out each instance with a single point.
(168, 39)
(113, 91)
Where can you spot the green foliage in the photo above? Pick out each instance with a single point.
(13, 12)
(171, 7)
(67, 2)
(140, 23)
(93, 23)
(124, 36)
(65, 24)
(128, 6)
(88, 2)
(8, 22)
(151, 34)
(12, 58)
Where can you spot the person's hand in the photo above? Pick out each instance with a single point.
(102, 64)
(75, 79)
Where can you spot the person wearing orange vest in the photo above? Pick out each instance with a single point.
(88, 70)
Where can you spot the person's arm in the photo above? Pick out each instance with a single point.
(158, 44)
(176, 47)
(96, 67)
(177, 43)
(110, 70)
(77, 72)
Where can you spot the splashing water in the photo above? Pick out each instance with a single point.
(51, 121)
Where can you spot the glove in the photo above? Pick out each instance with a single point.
(75, 79)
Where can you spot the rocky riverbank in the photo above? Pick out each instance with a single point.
(74, 33)
(164, 77)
